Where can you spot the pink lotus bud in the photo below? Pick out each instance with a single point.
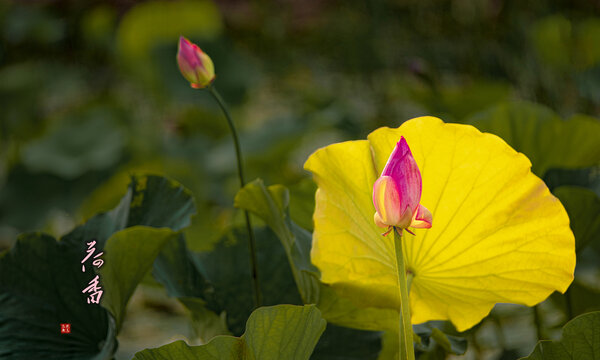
(194, 64)
(397, 193)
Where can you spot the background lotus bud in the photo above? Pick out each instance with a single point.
(194, 64)
(397, 193)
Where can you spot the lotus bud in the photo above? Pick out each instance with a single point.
(397, 192)
(194, 64)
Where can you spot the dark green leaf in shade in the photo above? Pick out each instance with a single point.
(276, 332)
(271, 205)
(581, 299)
(181, 276)
(215, 287)
(588, 178)
(580, 340)
(206, 324)
(219, 281)
(583, 207)
(153, 201)
(41, 280)
(546, 139)
(340, 342)
(302, 203)
(159, 202)
(41, 285)
(227, 269)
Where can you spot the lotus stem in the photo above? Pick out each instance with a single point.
(252, 242)
(407, 351)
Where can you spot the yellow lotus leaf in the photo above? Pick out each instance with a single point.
(498, 233)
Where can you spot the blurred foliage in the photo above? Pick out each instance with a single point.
(90, 94)
(543, 136)
(301, 76)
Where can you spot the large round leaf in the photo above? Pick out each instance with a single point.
(498, 234)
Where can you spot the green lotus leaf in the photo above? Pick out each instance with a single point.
(580, 340)
(275, 332)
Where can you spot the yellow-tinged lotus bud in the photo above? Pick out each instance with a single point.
(194, 64)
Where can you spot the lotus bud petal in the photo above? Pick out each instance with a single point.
(194, 64)
(397, 192)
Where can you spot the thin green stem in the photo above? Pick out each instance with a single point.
(236, 141)
(407, 351)
(238, 152)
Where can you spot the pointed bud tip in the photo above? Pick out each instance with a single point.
(403, 146)
(184, 41)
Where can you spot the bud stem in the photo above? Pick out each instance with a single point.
(407, 351)
(251, 243)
